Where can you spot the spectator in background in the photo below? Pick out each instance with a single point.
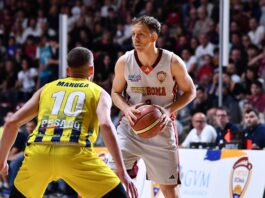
(104, 68)
(262, 8)
(43, 55)
(202, 132)
(19, 55)
(30, 47)
(207, 68)
(170, 41)
(231, 103)
(53, 62)
(53, 17)
(257, 96)
(257, 32)
(12, 46)
(254, 134)
(26, 81)
(7, 87)
(203, 23)
(189, 60)
(110, 22)
(252, 51)
(123, 33)
(226, 131)
(239, 16)
(211, 118)
(202, 102)
(32, 30)
(234, 27)
(239, 61)
(17, 32)
(245, 41)
(208, 5)
(194, 43)
(204, 48)
(105, 44)
(259, 62)
(232, 72)
(190, 21)
(213, 34)
(249, 76)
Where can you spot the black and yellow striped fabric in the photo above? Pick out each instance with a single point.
(67, 113)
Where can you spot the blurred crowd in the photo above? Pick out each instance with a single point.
(29, 58)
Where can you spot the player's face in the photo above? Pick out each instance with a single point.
(141, 37)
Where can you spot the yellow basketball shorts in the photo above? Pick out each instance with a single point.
(80, 167)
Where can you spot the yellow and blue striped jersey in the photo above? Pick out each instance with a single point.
(67, 113)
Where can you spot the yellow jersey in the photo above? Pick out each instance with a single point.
(67, 113)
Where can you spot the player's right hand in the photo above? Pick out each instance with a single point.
(130, 113)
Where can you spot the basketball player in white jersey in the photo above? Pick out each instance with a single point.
(151, 76)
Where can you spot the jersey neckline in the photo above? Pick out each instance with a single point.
(160, 51)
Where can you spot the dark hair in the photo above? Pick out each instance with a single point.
(79, 57)
(252, 110)
(257, 83)
(152, 23)
(54, 38)
(223, 109)
(200, 88)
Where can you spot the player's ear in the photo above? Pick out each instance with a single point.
(154, 36)
(91, 72)
(68, 71)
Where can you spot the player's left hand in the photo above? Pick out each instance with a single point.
(131, 189)
(4, 167)
(164, 119)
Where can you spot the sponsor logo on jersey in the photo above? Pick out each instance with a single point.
(71, 84)
(134, 77)
(161, 76)
(157, 91)
(146, 69)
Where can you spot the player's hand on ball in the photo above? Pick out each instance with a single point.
(131, 112)
(165, 118)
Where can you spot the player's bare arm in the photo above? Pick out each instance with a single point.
(184, 83)
(118, 86)
(25, 114)
(109, 136)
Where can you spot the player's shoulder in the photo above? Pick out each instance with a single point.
(176, 60)
(95, 85)
(170, 53)
(128, 55)
(165, 51)
(125, 58)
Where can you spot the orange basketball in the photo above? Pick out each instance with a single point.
(147, 123)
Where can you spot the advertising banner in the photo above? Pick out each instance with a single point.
(210, 173)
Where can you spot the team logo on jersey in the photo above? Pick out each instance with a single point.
(134, 77)
(161, 76)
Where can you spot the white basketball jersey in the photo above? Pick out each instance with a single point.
(149, 85)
